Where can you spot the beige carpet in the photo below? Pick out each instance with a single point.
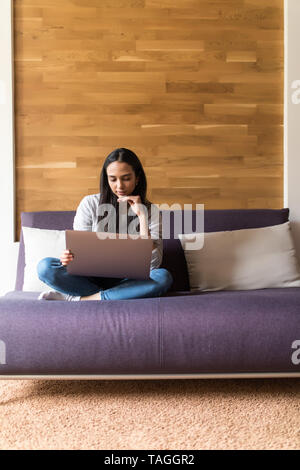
(154, 415)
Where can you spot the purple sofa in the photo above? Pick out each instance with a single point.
(182, 334)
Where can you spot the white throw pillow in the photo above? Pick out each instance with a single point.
(255, 258)
(39, 244)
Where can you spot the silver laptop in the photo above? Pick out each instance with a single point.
(97, 255)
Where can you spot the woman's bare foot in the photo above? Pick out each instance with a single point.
(91, 297)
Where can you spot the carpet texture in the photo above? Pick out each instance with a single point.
(150, 414)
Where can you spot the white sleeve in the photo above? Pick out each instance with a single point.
(83, 219)
(155, 228)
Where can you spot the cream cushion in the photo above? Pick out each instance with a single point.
(39, 244)
(255, 258)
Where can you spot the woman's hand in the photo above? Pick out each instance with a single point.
(135, 203)
(66, 257)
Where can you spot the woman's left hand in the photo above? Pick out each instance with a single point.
(135, 203)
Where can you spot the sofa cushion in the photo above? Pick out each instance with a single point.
(56, 220)
(246, 259)
(40, 243)
(222, 332)
(214, 221)
(173, 256)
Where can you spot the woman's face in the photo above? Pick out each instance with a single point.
(121, 178)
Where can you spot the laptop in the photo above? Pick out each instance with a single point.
(95, 254)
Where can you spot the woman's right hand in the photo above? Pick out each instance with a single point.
(66, 257)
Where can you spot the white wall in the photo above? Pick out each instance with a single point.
(8, 246)
(292, 117)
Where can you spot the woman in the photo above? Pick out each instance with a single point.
(122, 179)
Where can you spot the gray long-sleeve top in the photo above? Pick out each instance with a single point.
(86, 218)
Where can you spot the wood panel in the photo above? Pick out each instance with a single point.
(193, 87)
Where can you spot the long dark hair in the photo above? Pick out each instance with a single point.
(106, 194)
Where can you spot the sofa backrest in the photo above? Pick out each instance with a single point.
(173, 254)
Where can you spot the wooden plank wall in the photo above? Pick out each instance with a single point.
(193, 87)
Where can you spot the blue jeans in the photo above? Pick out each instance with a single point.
(54, 274)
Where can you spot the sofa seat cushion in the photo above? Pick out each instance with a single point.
(212, 332)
